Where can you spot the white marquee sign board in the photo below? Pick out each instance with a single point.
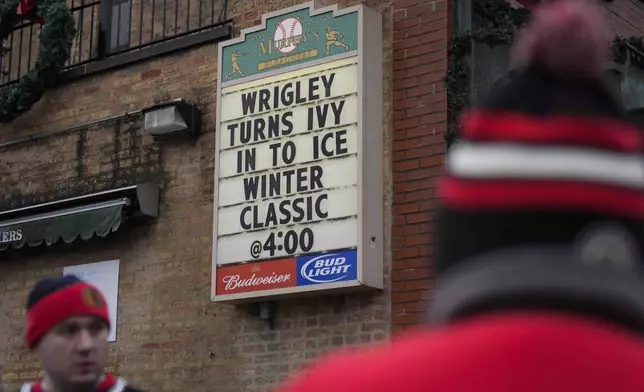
(298, 170)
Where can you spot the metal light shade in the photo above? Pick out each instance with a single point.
(172, 118)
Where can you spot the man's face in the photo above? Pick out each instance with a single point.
(74, 352)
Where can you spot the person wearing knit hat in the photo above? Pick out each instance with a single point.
(540, 235)
(67, 327)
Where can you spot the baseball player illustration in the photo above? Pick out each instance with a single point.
(235, 64)
(333, 38)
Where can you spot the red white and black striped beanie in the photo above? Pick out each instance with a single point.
(548, 159)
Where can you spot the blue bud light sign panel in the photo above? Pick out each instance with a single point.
(298, 164)
(327, 268)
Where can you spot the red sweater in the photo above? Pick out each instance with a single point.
(494, 353)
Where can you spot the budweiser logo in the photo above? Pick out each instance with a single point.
(233, 282)
(265, 275)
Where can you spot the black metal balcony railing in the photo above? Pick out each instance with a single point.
(110, 27)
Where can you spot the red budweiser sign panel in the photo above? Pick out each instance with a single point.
(265, 275)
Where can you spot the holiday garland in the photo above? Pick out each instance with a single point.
(56, 39)
(502, 23)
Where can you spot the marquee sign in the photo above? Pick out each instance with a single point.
(298, 172)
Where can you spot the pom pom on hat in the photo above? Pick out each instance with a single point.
(568, 37)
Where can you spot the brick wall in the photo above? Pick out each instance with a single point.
(171, 337)
(420, 118)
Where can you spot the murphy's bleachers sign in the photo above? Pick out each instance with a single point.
(298, 195)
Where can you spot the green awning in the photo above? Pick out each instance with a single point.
(85, 222)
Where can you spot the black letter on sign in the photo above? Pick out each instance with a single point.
(288, 152)
(318, 206)
(250, 187)
(274, 148)
(232, 128)
(242, 218)
(248, 102)
(246, 160)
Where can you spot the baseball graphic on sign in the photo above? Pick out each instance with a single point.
(287, 35)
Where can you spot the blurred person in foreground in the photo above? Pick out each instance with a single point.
(539, 251)
(67, 327)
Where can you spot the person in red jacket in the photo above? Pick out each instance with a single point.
(540, 238)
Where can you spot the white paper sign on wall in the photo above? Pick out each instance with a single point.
(105, 276)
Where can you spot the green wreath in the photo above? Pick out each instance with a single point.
(503, 21)
(56, 39)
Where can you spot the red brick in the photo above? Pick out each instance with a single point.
(406, 83)
(405, 253)
(440, 5)
(425, 48)
(406, 63)
(400, 15)
(406, 230)
(434, 160)
(419, 10)
(423, 284)
(413, 307)
(399, 156)
(418, 195)
(401, 4)
(405, 144)
(441, 106)
(405, 275)
(439, 86)
(406, 165)
(440, 25)
(399, 54)
(428, 99)
(433, 77)
(419, 217)
(434, 118)
(409, 318)
(399, 94)
(420, 110)
(404, 24)
(427, 68)
(434, 16)
(409, 296)
(399, 136)
(397, 287)
(408, 123)
(150, 74)
(406, 187)
(400, 35)
(410, 263)
(420, 90)
(405, 103)
(398, 220)
(406, 208)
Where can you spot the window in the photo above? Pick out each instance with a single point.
(487, 65)
(632, 86)
(119, 25)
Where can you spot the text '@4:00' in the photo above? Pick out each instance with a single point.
(289, 242)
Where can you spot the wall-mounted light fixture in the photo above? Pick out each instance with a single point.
(172, 119)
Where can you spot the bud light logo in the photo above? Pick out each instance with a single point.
(327, 268)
